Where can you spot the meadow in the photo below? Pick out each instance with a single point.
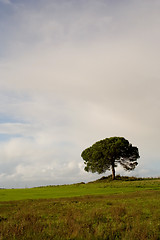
(122, 209)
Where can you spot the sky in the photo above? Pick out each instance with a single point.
(73, 72)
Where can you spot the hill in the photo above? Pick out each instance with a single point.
(104, 209)
(103, 186)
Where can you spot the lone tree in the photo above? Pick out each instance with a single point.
(106, 154)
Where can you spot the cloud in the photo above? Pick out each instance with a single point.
(5, 1)
(72, 74)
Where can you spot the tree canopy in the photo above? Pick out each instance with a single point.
(108, 153)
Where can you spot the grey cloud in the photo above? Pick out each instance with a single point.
(87, 72)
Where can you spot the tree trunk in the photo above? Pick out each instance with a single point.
(113, 171)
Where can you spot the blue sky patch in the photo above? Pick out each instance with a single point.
(7, 137)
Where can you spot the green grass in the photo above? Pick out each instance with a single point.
(101, 187)
(105, 209)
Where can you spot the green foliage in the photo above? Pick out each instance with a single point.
(107, 153)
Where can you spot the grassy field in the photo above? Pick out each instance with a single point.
(104, 209)
(99, 187)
